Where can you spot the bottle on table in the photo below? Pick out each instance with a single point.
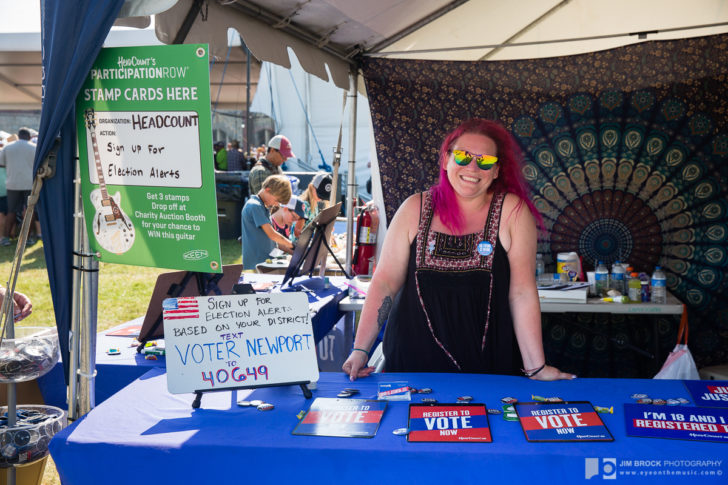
(540, 267)
(617, 278)
(601, 279)
(645, 291)
(659, 286)
(634, 288)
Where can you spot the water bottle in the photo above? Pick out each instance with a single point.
(617, 278)
(634, 288)
(601, 279)
(540, 268)
(659, 286)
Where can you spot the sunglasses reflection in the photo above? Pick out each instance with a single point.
(464, 157)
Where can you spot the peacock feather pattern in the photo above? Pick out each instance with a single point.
(626, 154)
(624, 178)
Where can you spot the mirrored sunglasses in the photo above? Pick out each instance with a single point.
(484, 162)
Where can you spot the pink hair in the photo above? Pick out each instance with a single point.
(510, 178)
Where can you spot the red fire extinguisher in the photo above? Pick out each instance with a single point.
(366, 240)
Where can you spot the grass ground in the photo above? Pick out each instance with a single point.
(124, 293)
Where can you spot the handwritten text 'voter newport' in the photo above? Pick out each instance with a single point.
(230, 348)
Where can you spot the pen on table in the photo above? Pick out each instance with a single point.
(356, 289)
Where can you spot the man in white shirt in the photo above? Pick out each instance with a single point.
(17, 158)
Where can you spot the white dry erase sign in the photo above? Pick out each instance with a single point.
(238, 341)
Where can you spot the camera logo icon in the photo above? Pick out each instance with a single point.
(606, 468)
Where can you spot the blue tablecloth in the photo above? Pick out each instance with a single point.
(116, 371)
(145, 433)
(112, 371)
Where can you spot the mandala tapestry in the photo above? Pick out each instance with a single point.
(626, 153)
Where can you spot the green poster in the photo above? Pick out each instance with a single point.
(145, 151)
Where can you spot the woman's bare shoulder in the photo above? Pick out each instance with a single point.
(516, 210)
(408, 214)
(412, 202)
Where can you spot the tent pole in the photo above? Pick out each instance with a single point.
(87, 348)
(350, 201)
(189, 19)
(351, 184)
(75, 296)
(247, 144)
(84, 304)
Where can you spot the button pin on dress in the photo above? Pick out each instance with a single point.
(485, 248)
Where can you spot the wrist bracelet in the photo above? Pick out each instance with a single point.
(531, 373)
(361, 350)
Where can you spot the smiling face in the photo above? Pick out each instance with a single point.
(470, 181)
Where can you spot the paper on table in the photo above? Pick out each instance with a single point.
(128, 331)
(564, 295)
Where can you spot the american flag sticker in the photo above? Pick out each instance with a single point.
(180, 308)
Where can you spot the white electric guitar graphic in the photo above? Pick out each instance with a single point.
(112, 228)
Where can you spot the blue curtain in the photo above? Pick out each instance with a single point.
(72, 36)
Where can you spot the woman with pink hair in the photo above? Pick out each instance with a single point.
(455, 283)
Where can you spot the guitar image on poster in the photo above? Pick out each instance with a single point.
(112, 228)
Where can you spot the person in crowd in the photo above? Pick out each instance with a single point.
(250, 162)
(236, 158)
(285, 218)
(260, 152)
(279, 150)
(17, 158)
(258, 236)
(317, 194)
(220, 156)
(369, 180)
(455, 279)
(22, 306)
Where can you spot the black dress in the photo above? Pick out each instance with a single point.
(452, 314)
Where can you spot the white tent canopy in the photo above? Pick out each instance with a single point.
(20, 68)
(329, 34)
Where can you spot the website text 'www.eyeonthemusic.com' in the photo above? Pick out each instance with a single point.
(613, 468)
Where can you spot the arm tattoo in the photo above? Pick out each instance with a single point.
(383, 312)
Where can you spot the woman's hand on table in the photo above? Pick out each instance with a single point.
(550, 373)
(355, 365)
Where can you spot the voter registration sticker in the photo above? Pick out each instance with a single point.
(393, 391)
(485, 248)
(561, 421)
(347, 418)
(455, 423)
